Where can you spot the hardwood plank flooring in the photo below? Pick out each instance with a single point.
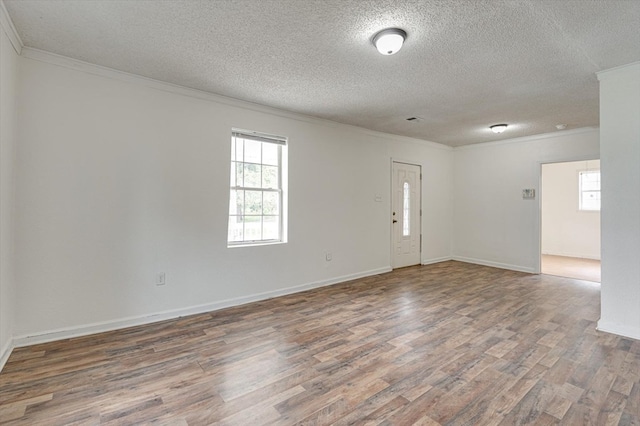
(571, 267)
(444, 344)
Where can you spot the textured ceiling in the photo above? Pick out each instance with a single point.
(466, 64)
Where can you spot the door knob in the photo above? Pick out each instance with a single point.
(394, 221)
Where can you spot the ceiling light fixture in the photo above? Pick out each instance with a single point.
(498, 128)
(389, 41)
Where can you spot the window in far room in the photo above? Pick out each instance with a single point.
(589, 187)
(257, 199)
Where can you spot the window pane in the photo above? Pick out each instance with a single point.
(270, 154)
(253, 202)
(236, 202)
(271, 203)
(252, 151)
(239, 169)
(239, 149)
(591, 200)
(270, 227)
(252, 175)
(270, 177)
(235, 228)
(405, 210)
(233, 173)
(252, 228)
(590, 181)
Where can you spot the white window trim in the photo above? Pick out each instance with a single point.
(282, 181)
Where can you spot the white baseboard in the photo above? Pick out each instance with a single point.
(5, 352)
(483, 262)
(436, 260)
(99, 327)
(618, 329)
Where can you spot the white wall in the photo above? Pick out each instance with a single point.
(620, 158)
(493, 224)
(117, 181)
(566, 230)
(8, 83)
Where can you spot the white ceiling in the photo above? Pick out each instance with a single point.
(466, 64)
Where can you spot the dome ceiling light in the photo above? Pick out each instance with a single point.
(389, 41)
(498, 128)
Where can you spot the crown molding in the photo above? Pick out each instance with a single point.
(89, 68)
(70, 63)
(10, 30)
(529, 138)
(123, 76)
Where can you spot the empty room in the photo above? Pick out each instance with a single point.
(279, 212)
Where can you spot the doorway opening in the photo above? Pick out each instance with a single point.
(570, 220)
(406, 213)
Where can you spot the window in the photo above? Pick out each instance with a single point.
(257, 199)
(405, 210)
(589, 182)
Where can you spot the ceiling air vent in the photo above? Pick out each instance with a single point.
(415, 119)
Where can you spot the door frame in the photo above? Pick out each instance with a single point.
(540, 163)
(390, 218)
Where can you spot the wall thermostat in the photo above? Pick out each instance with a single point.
(528, 194)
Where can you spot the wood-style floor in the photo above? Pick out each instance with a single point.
(571, 267)
(450, 343)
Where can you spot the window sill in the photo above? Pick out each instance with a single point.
(255, 244)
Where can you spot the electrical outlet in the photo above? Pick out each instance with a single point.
(328, 256)
(161, 278)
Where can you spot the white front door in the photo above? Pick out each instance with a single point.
(405, 214)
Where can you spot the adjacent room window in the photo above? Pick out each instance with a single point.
(257, 199)
(589, 182)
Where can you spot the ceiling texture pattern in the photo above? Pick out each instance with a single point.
(466, 64)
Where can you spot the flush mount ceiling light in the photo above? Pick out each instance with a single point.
(498, 128)
(389, 41)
